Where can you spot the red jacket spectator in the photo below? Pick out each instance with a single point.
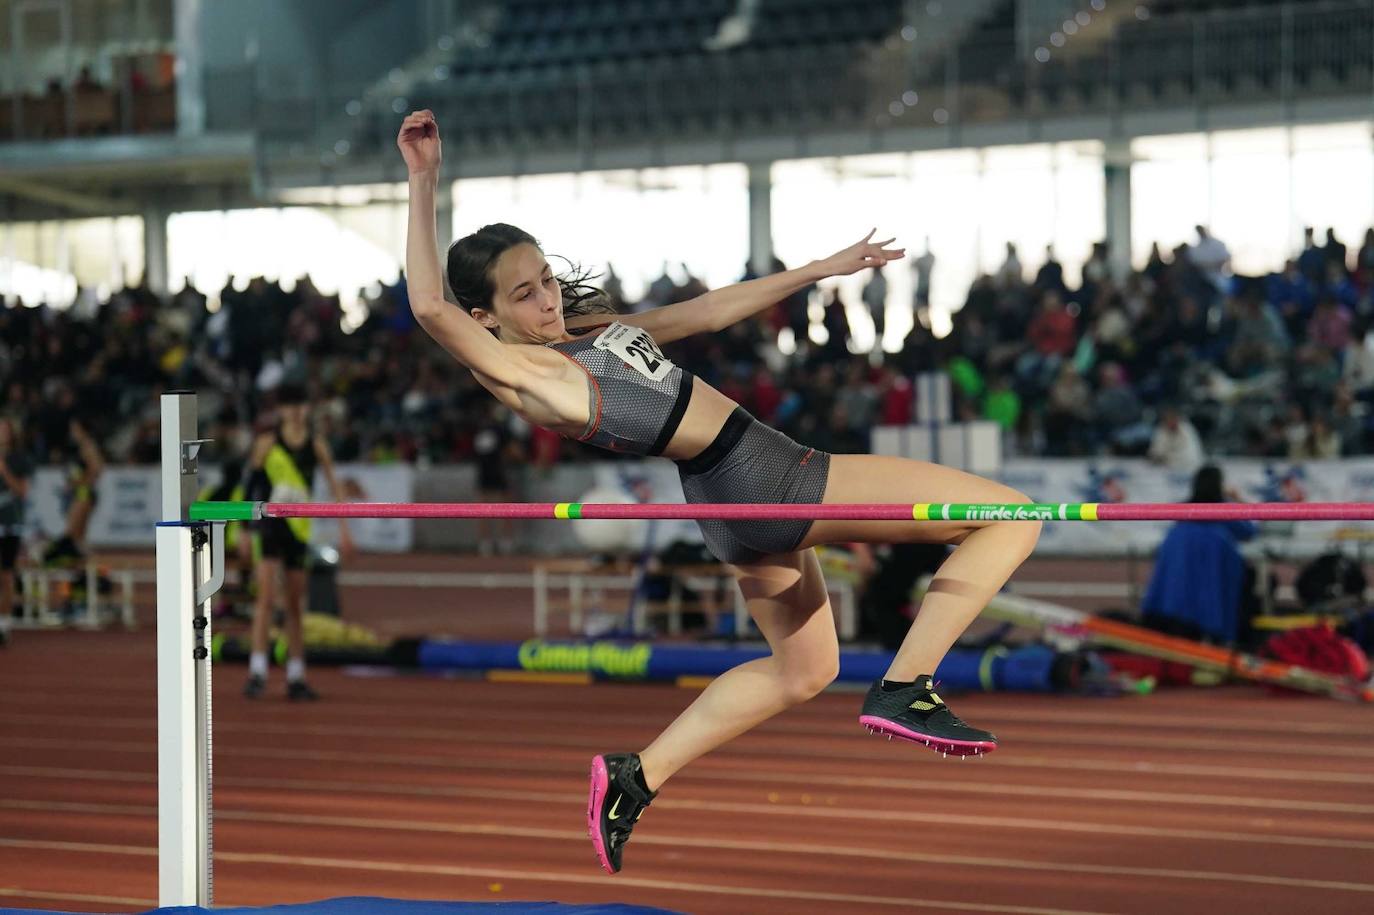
(1053, 331)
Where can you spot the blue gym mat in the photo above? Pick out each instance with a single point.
(371, 905)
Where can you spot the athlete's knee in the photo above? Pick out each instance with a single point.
(804, 682)
(1029, 530)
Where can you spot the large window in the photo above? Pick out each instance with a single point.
(639, 221)
(965, 204)
(344, 250)
(45, 262)
(1254, 189)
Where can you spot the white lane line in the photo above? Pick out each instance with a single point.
(1110, 741)
(733, 776)
(20, 892)
(1010, 760)
(798, 722)
(223, 811)
(814, 782)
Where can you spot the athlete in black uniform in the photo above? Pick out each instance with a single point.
(281, 468)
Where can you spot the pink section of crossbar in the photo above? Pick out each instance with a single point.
(1229, 511)
(1237, 511)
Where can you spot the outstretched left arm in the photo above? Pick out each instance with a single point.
(719, 308)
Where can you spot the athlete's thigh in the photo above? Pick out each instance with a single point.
(872, 478)
(787, 598)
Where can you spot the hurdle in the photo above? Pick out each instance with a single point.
(190, 570)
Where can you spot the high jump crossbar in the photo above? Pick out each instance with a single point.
(1062, 511)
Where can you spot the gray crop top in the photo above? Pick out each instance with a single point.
(637, 395)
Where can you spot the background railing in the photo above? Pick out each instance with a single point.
(805, 68)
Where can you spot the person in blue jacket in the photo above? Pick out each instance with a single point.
(1200, 578)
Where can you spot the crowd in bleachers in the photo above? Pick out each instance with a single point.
(141, 98)
(1176, 360)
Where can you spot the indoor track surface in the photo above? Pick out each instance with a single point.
(1218, 801)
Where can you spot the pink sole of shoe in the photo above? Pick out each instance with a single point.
(596, 799)
(940, 745)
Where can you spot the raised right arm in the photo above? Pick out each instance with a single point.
(450, 326)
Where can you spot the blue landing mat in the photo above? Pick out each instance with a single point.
(371, 905)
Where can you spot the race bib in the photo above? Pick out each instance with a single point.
(636, 348)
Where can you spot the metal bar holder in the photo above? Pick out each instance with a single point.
(190, 570)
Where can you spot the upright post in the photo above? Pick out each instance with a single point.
(183, 672)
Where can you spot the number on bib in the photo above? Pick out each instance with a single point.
(636, 348)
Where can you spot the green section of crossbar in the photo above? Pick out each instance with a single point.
(225, 511)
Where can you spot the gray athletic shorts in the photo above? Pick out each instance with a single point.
(749, 462)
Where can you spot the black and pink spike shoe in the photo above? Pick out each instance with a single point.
(617, 800)
(918, 714)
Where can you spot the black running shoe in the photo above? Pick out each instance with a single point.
(917, 713)
(254, 686)
(616, 803)
(300, 691)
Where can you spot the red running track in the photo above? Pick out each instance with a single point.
(1219, 801)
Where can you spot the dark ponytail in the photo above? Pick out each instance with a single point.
(472, 258)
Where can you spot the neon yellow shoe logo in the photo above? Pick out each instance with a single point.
(615, 807)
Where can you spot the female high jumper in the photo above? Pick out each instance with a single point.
(528, 338)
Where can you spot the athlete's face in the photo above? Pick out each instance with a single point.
(527, 302)
(295, 415)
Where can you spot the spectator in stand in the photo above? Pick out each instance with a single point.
(1118, 412)
(875, 297)
(896, 398)
(1350, 420)
(1068, 415)
(923, 265)
(836, 323)
(1341, 286)
(1053, 336)
(797, 309)
(1155, 265)
(1364, 259)
(1096, 272)
(86, 81)
(1175, 443)
(1333, 252)
(496, 451)
(1002, 404)
(1258, 340)
(1210, 255)
(1051, 274)
(1330, 325)
(1312, 259)
(1319, 442)
(1357, 363)
(1010, 275)
(1291, 292)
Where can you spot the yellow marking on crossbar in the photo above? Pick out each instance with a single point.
(920, 511)
(560, 510)
(1088, 511)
